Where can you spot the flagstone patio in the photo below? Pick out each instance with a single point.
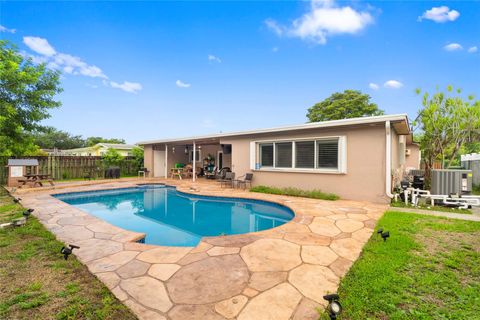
(276, 274)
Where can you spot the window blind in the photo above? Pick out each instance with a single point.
(283, 155)
(327, 151)
(266, 155)
(305, 154)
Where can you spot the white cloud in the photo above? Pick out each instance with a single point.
(274, 26)
(182, 84)
(440, 14)
(7, 30)
(213, 58)
(472, 49)
(373, 86)
(132, 87)
(39, 45)
(453, 47)
(324, 19)
(76, 66)
(393, 84)
(70, 64)
(275, 49)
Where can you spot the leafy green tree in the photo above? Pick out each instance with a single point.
(343, 105)
(137, 153)
(50, 138)
(91, 141)
(27, 93)
(112, 157)
(449, 122)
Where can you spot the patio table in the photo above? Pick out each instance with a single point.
(176, 172)
(35, 179)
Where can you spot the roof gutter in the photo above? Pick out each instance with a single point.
(388, 160)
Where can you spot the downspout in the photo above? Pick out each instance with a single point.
(388, 164)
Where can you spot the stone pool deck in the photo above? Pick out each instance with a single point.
(276, 274)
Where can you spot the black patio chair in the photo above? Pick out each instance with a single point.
(247, 179)
(228, 180)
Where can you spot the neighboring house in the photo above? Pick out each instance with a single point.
(356, 158)
(100, 149)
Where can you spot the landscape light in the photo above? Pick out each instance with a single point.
(68, 251)
(380, 230)
(385, 235)
(334, 307)
(16, 200)
(27, 213)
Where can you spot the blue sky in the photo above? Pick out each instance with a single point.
(144, 70)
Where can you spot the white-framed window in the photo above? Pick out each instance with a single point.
(198, 156)
(319, 154)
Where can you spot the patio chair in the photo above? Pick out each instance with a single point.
(228, 180)
(221, 173)
(245, 179)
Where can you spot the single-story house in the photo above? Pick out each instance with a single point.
(100, 149)
(359, 158)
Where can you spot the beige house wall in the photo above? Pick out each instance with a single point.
(148, 158)
(365, 177)
(413, 160)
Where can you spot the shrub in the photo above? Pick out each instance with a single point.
(295, 192)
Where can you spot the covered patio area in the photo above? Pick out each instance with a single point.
(188, 159)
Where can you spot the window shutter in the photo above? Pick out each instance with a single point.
(283, 155)
(327, 151)
(266, 154)
(305, 154)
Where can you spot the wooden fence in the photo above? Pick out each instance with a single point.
(71, 167)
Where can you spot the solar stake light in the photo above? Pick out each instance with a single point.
(68, 251)
(334, 307)
(16, 200)
(385, 235)
(380, 230)
(27, 213)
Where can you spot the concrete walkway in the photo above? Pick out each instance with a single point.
(276, 274)
(451, 215)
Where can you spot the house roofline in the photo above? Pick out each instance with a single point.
(313, 125)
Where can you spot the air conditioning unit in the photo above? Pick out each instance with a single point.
(448, 181)
(408, 152)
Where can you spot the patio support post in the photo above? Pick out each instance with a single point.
(194, 160)
(166, 161)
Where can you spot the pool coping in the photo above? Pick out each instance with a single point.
(127, 267)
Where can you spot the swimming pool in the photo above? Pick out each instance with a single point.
(172, 218)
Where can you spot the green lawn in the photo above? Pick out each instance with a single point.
(37, 283)
(294, 192)
(428, 269)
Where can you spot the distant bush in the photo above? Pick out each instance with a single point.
(295, 192)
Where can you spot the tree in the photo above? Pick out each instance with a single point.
(138, 157)
(448, 123)
(27, 93)
(112, 157)
(50, 138)
(343, 105)
(91, 141)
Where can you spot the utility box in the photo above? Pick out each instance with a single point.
(448, 181)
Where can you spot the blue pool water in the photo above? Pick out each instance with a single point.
(172, 218)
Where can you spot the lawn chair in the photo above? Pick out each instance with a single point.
(247, 179)
(228, 180)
